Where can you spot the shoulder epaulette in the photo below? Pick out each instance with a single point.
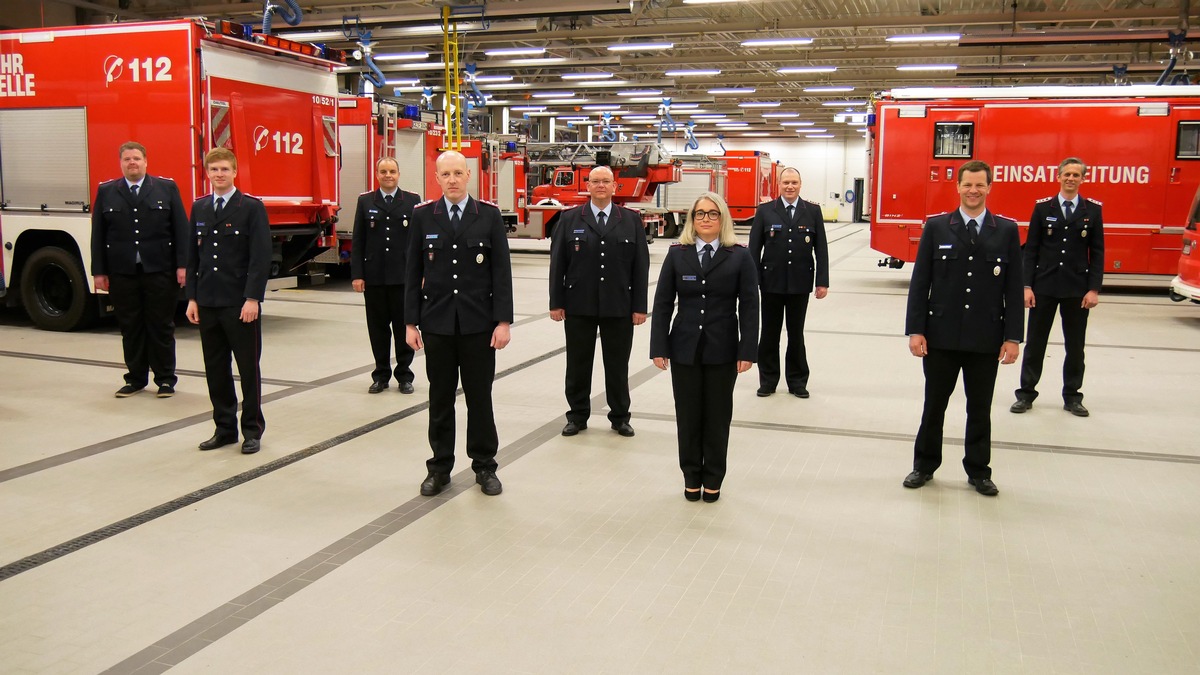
(204, 197)
(257, 199)
(679, 244)
(106, 182)
(808, 202)
(484, 201)
(1008, 218)
(737, 245)
(1041, 201)
(364, 194)
(935, 215)
(1094, 201)
(427, 201)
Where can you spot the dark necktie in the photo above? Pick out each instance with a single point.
(1068, 209)
(454, 219)
(973, 228)
(387, 199)
(706, 259)
(134, 190)
(791, 209)
(602, 221)
(220, 207)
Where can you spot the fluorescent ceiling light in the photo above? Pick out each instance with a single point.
(692, 73)
(925, 37)
(586, 76)
(564, 101)
(733, 125)
(754, 133)
(797, 124)
(515, 51)
(861, 123)
(574, 118)
(637, 118)
(404, 82)
(602, 107)
(777, 42)
(554, 94)
(408, 90)
(640, 92)
(528, 108)
(814, 130)
(818, 135)
(839, 104)
(711, 116)
(781, 114)
(509, 85)
(401, 56)
(647, 99)
(602, 83)
(828, 90)
(735, 91)
(928, 66)
(759, 104)
(792, 70)
(640, 47)
(432, 65)
(493, 78)
(535, 62)
(684, 106)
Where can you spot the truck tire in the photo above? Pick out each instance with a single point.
(651, 231)
(671, 229)
(54, 290)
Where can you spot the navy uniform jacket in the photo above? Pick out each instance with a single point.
(965, 297)
(153, 224)
(231, 260)
(379, 245)
(720, 302)
(458, 279)
(791, 257)
(594, 273)
(1064, 259)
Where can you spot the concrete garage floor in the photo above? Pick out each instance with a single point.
(135, 552)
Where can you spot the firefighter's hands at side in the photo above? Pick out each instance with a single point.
(359, 285)
(821, 292)
(917, 346)
(249, 311)
(501, 336)
(193, 311)
(558, 314)
(1090, 300)
(743, 366)
(1009, 351)
(1030, 302)
(413, 337)
(661, 362)
(101, 281)
(639, 318)
(181, 276)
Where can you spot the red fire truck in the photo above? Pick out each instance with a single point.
(1186, 285)
(752, 179)
(1141, 144)
(70, 96)
(368, 130)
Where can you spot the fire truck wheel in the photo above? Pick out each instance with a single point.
(651, 231)
(55, 291)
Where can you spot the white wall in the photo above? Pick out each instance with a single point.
(826, 165)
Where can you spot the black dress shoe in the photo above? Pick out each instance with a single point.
(434, 483)
(406, 388)
(1076, 408)
(624, 429)
(217, 441)
(250, 446)
(916, 479)
(984, 486)
(489, 484)
(799, 392)
(127, 391)
(764, 392)
(573, 428)
(691, 495)
(1020, 406)
(710, 497)
(377, 387)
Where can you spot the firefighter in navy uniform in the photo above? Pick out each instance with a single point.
(599, 273)
(788, 243)
(964, 314)
(226, 281)
(459, 307)
(713, 337)
(1064, 269)
(377, 260)
(139, 252)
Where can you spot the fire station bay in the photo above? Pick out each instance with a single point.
(663, 336)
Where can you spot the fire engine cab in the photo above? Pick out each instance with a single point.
(1141, 144)
(1186, 285)
(69, 97)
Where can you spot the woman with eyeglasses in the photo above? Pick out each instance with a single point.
(713, 337)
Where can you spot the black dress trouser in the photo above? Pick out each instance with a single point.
(795, 361)
(703, 413)
(223, 334)
(385, 325)
(1074, 328)
(471, 356)
(145, 304)
(942, 367)
(616, 344)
